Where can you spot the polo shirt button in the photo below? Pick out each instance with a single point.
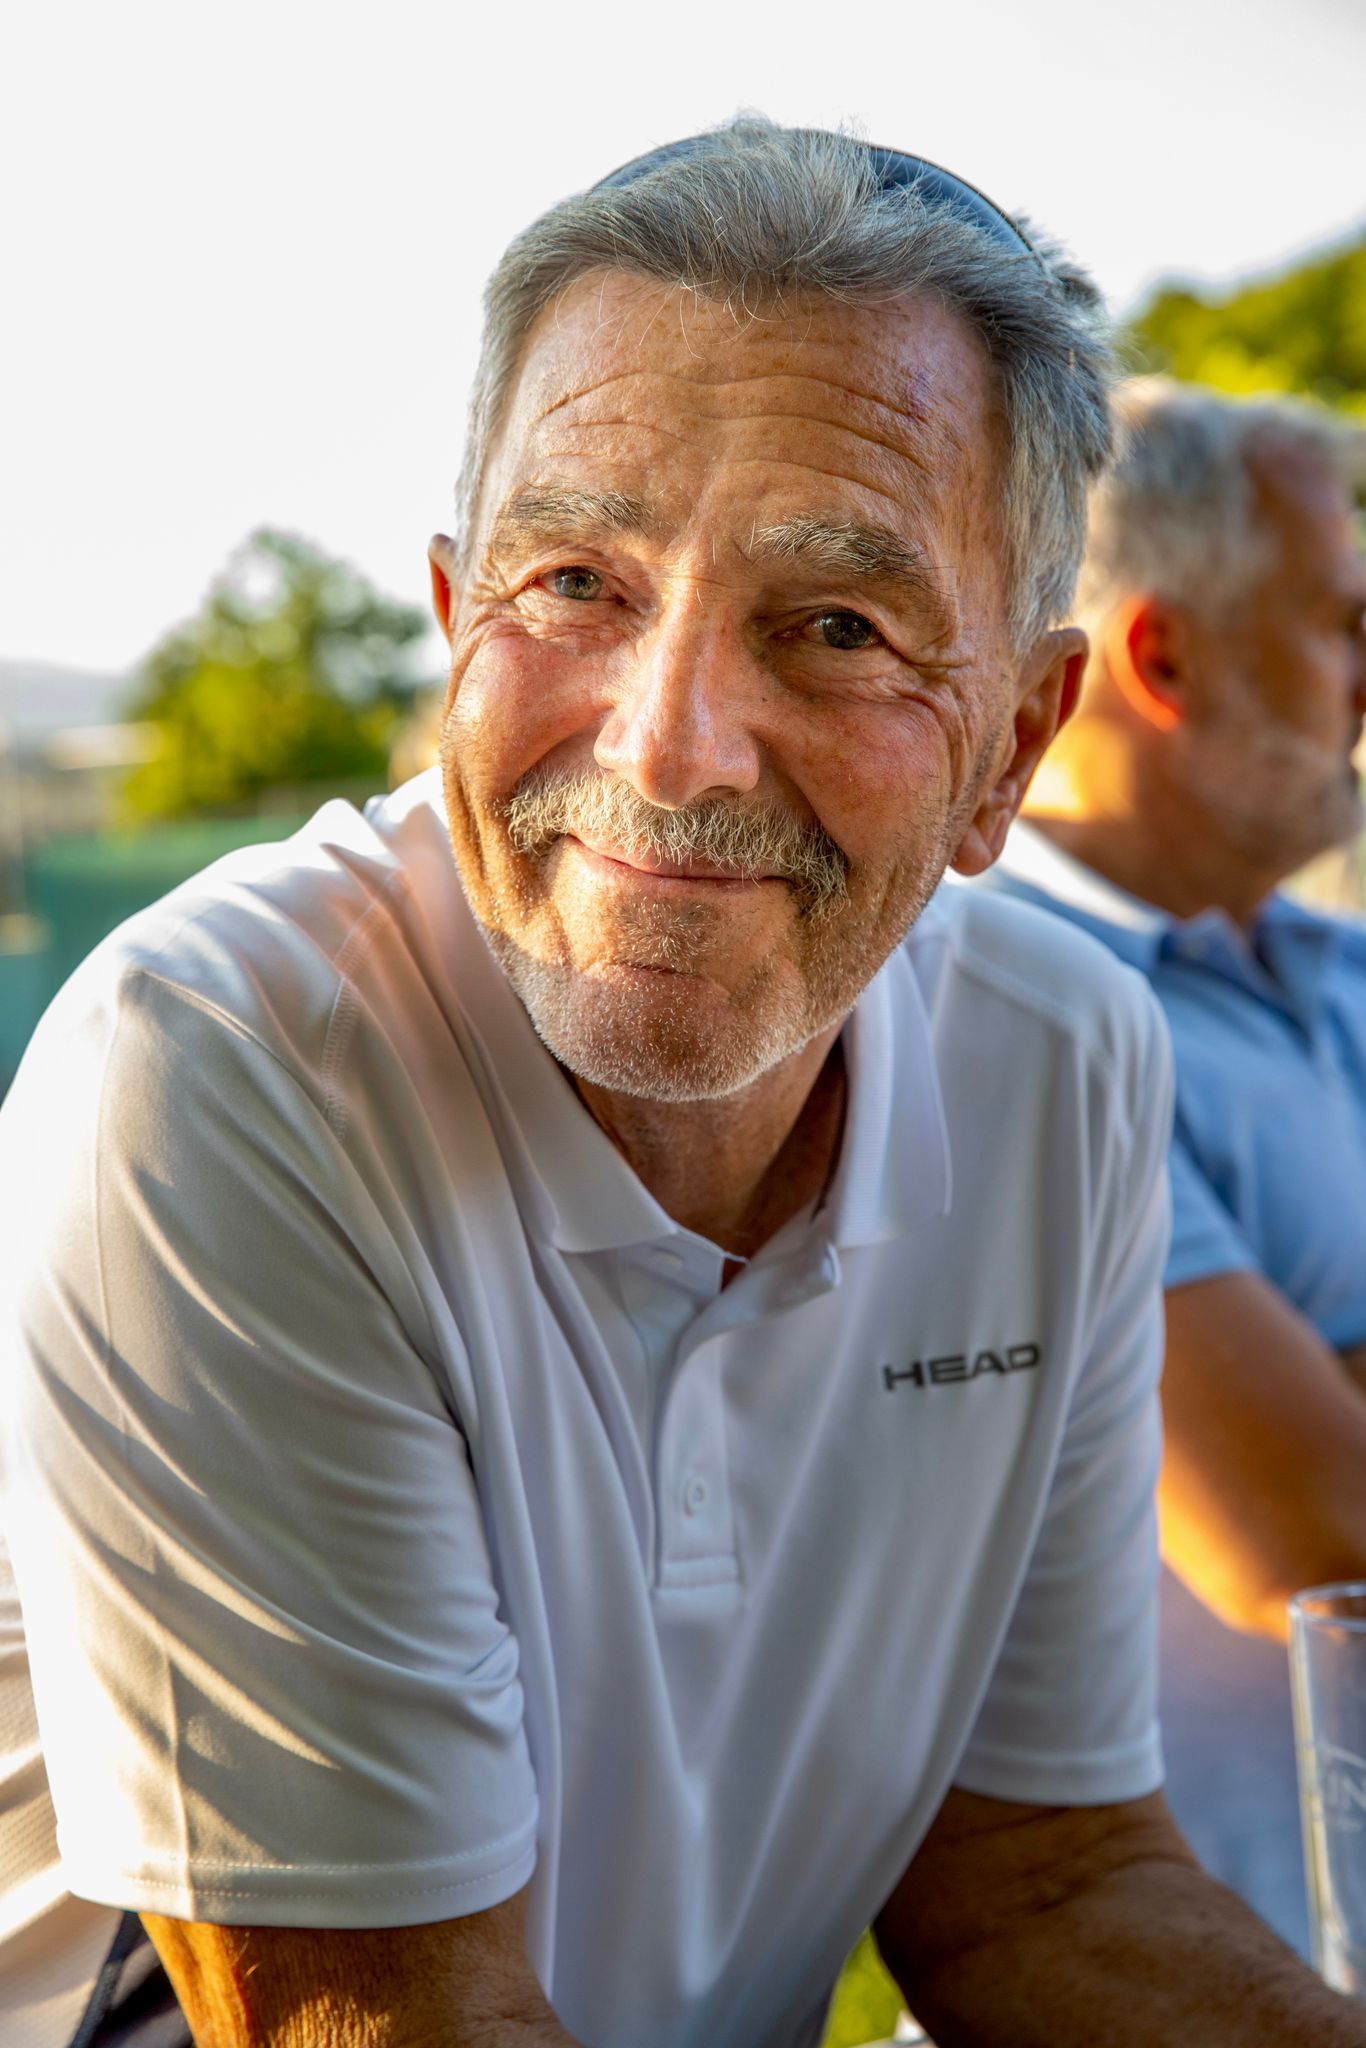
(694, 1496)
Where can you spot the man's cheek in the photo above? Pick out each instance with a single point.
(485, 703)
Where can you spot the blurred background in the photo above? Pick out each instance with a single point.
(242, 251)
(242, 257)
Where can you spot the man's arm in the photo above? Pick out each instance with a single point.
(454, 1984)
(1261, 1488)
(1091, 1927)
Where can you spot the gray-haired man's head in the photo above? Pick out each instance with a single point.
(760, 216)
(774, 493)
(1225, 596)
(1177, 512)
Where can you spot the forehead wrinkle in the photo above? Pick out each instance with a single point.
(577, 393)
(935, 424)
(921, 460)
(928, 461)
(572, 427)
(935, 421)
(912, 409)
(839, 476)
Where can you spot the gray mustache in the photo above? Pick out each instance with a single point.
(750, 839)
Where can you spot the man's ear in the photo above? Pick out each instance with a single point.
(441, 555)
(1050, 686)
(1145, 643)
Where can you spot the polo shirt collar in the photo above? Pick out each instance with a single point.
(1286, 959)
(1130, 927)
(1298, 940)
(581, 1196)
(1290, 958)
(573, 1185)
(894, 1171)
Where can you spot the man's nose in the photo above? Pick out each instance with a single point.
(679, 728)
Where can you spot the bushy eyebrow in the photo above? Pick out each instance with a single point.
(852, 550)
(559, 511)
(860, 552)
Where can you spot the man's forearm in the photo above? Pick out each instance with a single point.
(450, 1984)
(1293, 1443)
(1156, 1953)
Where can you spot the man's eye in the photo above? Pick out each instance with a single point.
(575, 583)
(849, 630)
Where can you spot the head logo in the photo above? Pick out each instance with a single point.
(953, 1367)
(1340, 1791)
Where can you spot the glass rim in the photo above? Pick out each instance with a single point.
(1312, 1605)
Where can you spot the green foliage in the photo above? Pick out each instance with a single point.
(1304, 332)
(295, 671)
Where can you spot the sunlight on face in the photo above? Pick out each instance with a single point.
(729, 672)
(1272, 759)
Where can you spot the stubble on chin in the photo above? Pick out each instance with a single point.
(629, 998)
(1282, 799)
(637, 1031)
(645, 1019)
(639, 1005)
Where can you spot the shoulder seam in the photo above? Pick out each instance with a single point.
(141, 970)
(992, 974)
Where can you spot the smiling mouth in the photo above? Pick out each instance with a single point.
(650, 865)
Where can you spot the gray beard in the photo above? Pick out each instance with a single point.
(656, 1048)
(1273, 801)
(657, 1042)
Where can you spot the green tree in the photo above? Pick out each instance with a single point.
(295, 671)
(1303, 332)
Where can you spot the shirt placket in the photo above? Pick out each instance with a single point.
(667, 1288)
(695, 1520)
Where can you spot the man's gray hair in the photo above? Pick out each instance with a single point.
(760, 212)
(1176, 513)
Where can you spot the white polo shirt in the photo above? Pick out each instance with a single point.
(402, 1513)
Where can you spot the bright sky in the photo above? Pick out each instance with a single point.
(244, 244)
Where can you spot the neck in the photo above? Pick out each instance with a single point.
(736, 1169)
(1180, 878)
(1113, 809)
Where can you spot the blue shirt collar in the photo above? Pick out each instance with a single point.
(1130, 927)
(1286, 959)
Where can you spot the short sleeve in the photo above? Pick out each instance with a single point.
(1070, 1714)
(272, 1677)
(1205, 1239)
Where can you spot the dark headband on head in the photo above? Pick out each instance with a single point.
(893, 168)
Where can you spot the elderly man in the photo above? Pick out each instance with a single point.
(1209, 759)
(538, 1513)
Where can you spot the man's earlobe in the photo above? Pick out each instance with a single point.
(441, 556)
(1050, 687)
(1145, 649)
(980, 846)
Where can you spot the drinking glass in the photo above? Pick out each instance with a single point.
(1328, 1681)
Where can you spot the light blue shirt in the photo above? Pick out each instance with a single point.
(1268, 1157)
(1268, 1170)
